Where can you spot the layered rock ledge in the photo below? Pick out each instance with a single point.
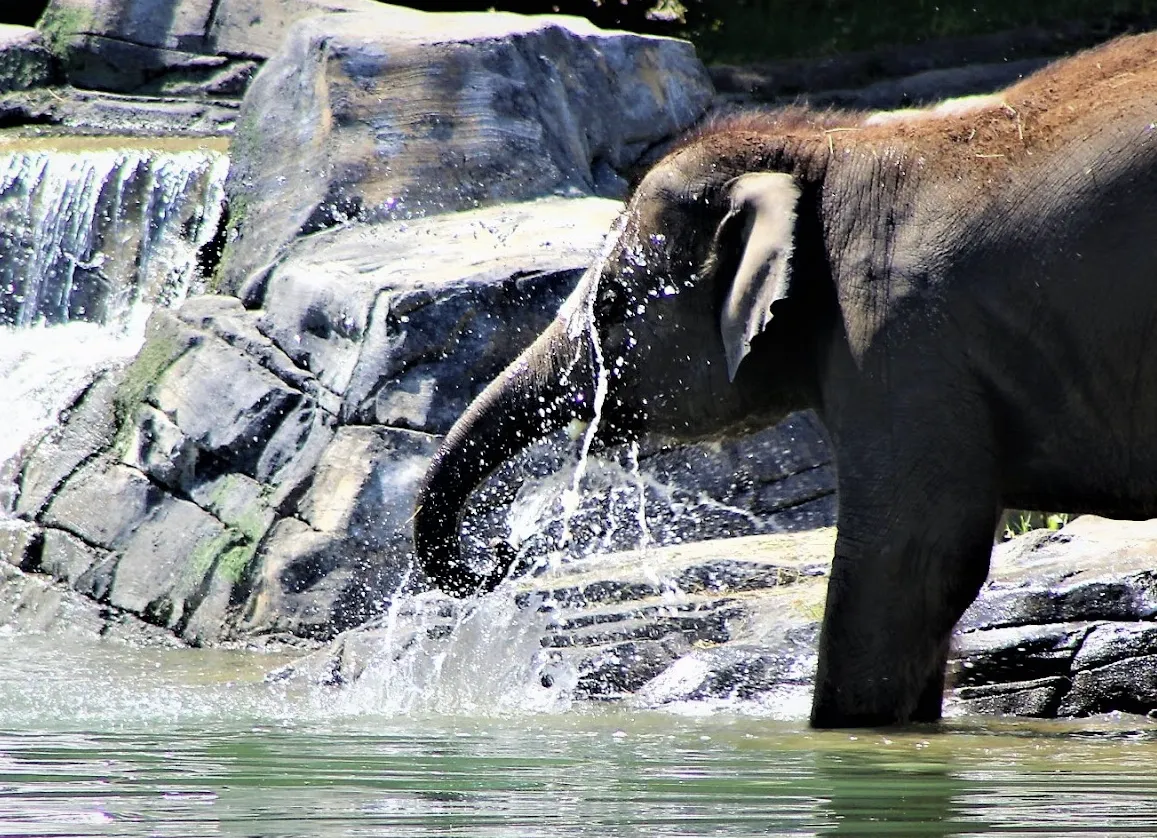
(1065, 626)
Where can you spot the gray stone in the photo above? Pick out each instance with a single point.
(30, 603)
(1037, 698)
(1017, 653)
(93, 112)
(84, 506)
(161, 450)
(76, 563)
(20, 543)
(1128, 685)
(1115, 641)
(407, 321)
(225, 403)
(339, 563)
(87, 428)
(395, 115)
(190, 47)
(623, 668)
(256, 28)
(24, 60)
(166, 564)
(1093, 569)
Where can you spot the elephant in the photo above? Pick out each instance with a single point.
(965, 295)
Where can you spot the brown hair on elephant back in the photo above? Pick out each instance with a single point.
(979, 136)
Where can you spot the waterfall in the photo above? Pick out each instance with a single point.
(89, 242)
(86, 235)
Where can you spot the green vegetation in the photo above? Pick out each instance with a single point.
(1016, 522)
(229, 555)
(60, 23)
(163, 346)
(234, 563)
(208, 553)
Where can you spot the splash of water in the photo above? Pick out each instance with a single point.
(480, 657)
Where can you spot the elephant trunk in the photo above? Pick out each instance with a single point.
(550, 384)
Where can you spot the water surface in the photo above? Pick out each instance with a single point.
(111, 740)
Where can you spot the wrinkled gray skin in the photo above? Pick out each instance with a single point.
(968, 346)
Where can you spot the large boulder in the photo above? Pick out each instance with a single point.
(254, 491)
(402, 114)
(202, 47)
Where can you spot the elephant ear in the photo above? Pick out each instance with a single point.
(756, 239)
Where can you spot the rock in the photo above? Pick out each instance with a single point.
(406, 321)
(83, 567)
(221, 404)
(338, 563)
(29, 603)
(1075, 608)
(1038, 698)
(376, 115)
(20, 543)
(1128, 685)
(89, 112)
(737, 620)
(85, 429)
(190, 47)
(1017, 653)
(24, 60)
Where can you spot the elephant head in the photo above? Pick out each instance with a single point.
(707, 313)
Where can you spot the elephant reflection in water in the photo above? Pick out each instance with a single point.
(966, 296)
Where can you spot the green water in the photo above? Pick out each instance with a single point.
(115, 741)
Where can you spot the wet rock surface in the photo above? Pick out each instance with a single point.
(1067, 624)
(395, 113)
(25, 61)
(738, 620)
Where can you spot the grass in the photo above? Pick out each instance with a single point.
(763, 30)
(1018, 521)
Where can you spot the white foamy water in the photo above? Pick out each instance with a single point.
(44, 368)
(484, 660)
(85, 235)
(90, 242)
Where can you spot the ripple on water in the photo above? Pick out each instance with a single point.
(103, 739)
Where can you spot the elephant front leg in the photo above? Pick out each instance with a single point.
(913, 550)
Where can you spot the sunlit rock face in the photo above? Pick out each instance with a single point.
(174, 47)
(398, 114)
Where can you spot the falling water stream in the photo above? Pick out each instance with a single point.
(90, 241)
(453, 730)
